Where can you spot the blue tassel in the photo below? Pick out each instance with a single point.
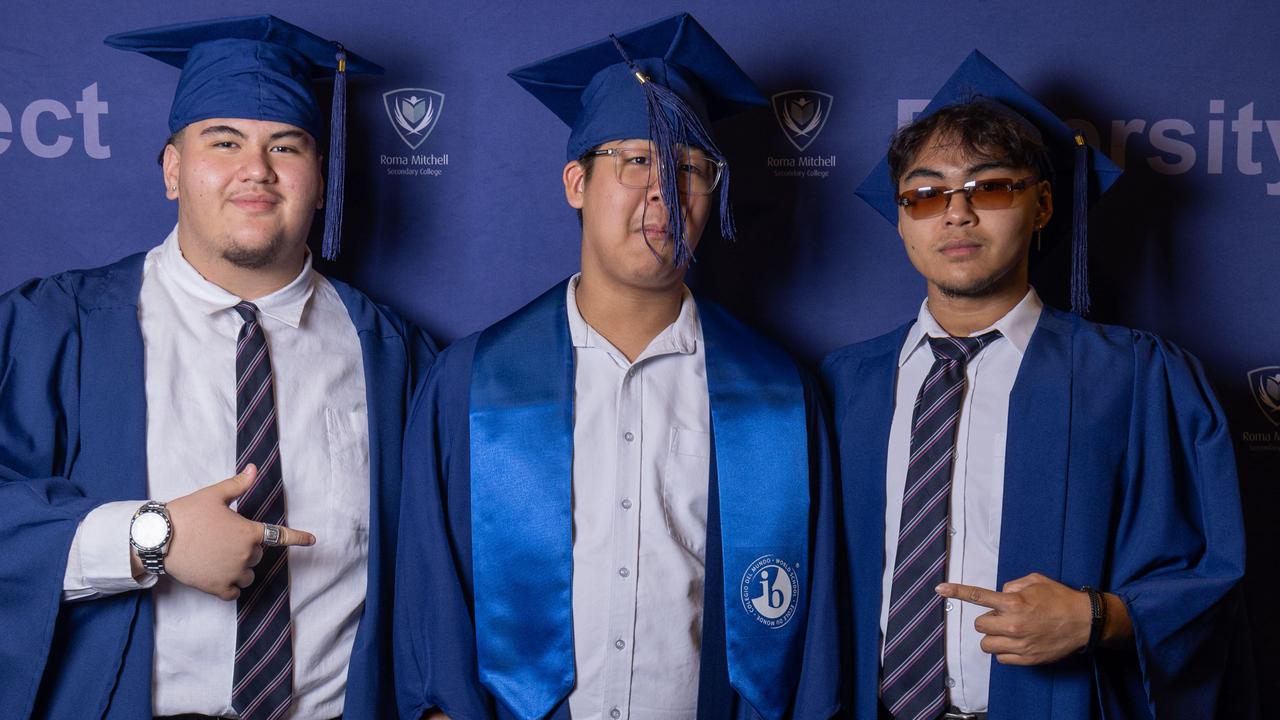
(673, 123)
(337, 162)
(1080, 231)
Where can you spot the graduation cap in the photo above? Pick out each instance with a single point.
(1092, 172)
(666, 81)
(257, 68)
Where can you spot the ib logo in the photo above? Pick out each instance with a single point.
(1265, 383)
(801, 115)
(770, 591)
(413, 112)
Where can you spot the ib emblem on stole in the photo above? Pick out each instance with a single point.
(770, 591)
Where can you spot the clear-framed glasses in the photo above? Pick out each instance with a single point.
(985, 194)
(696, 173)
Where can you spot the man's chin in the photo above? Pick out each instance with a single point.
(971, 290)
(999, 280)
(658, 280)
(253, 257)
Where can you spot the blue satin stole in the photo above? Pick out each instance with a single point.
(521, 422)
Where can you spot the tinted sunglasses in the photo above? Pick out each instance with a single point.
(985, 194)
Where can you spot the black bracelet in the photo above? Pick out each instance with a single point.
(1098, 618)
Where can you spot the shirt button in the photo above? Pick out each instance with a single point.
(953, 530)
(626, 503)
(951, 682)
(619, 643)
(624, 572)
(947, 606)
(629, 437)
(615, 713)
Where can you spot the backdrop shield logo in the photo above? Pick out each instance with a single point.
(1265, 384)
(413, 112)
(801, 115)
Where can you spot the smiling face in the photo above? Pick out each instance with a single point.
(966, 252)
(247, 191)
(623, 228)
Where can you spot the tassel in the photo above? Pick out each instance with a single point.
(337, 162)
(1080, 231)
(673, 123)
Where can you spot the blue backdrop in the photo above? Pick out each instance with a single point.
(465, 221)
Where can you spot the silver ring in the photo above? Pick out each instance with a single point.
(270, 535)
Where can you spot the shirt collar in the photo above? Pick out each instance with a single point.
(285, 305)
(1017, 325)
(680, 336)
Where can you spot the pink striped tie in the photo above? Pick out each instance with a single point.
(911, 681)
(263, 680)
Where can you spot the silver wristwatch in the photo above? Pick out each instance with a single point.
(149, 534)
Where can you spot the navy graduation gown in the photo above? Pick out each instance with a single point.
(434, 638)
(73, 436)
(1119, 474)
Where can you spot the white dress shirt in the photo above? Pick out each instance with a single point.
(189, 332)
(977, 482)
(641, 470)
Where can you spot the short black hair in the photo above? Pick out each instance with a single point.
(588, 162)
(173, 140)
(982, 129)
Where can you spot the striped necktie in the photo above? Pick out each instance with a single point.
(263, 679)
(911, 683)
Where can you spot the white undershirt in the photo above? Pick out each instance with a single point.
(977, 482)
(641, 469)
(189, 334)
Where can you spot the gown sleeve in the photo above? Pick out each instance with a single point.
(40, 508)
(1179, 543)
(818, 693)
(434, 632)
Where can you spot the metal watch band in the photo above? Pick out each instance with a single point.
(152, 561)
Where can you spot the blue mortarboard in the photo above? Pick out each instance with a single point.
(257, 68)
(978, 79)
(666, 81)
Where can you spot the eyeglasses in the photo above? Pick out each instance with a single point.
(985, 194)
(696, 173)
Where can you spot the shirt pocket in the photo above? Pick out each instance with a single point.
(684, 489)
(347, 432)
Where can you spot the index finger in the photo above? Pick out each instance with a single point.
(289, 536)
(972, 594)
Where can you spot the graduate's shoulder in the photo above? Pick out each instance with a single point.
(848, 357)
(442, 398)
(57, 299)
(383, 320)
(1122, 343)
(747, 334)
(452, 370)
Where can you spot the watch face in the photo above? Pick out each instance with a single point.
(149, 531)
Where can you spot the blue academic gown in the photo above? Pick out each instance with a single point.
(434, 638)
(1119, 474)
(73, 436)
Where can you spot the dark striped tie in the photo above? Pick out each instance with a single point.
(263, 681)
(911, 683)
